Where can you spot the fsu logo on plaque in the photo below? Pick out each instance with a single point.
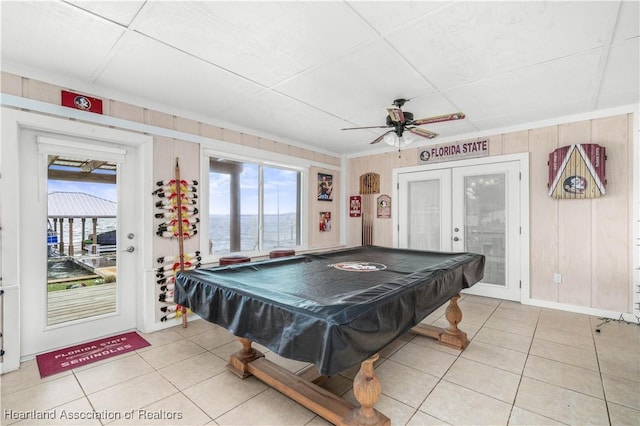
(81, 102)
(577, 171)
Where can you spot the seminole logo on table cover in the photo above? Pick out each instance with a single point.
(358, 266)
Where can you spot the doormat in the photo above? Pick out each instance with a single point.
(76, 356)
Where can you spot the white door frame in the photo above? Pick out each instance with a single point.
(15, 256)
(510, 170)
(523, 159)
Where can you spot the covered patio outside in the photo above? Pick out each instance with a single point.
(78, 205)
(75, 295)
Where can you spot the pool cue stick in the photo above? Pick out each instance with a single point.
(364, 210)
(365, 190)
(180, 235)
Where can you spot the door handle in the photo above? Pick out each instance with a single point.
(456, 239)
(130, 249)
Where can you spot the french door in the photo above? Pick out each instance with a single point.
(472, 208)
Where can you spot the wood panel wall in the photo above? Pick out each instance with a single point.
(589, 242)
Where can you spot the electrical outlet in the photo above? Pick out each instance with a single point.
(557, 278)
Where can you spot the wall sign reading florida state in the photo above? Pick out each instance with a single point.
(577, 171)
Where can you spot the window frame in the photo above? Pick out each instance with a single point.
(266, 159)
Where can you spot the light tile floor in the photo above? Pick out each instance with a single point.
(524, 366)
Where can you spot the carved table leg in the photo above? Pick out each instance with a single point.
(238, 361)
(453, 336)
(367, 389)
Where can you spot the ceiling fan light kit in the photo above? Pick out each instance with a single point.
(392, 139)
(401, 120)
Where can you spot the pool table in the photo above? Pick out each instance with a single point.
(335, 310)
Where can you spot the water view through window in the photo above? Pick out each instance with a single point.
(252, 207)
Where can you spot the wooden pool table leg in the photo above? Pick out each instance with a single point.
(450, 336)
(367, 389)
(453, 336)
(239, 361)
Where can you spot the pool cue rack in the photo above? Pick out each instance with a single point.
(176, 204)
(369, 185)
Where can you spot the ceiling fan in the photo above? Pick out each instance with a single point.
(400, 120)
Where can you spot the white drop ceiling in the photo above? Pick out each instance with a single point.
(299, 71)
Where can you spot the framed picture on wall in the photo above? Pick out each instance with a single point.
(325, 221)
(325, 187)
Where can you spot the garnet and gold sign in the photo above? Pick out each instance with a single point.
(82, 102)
(577, 171)
(384, 206)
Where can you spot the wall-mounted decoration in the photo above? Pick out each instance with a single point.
(325, 187)
(577, 171)
(82, 102)
(369, 185)
(355, 206)
(384, 207)
(453, 151)
(325, 221)
(177, 200)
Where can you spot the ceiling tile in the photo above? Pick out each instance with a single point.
(121, 12)
(533, 88)
(55, 37)
(622, 73)
(469, 41)
(266, 42)
(173, 78)
(386, 16)
(628, 26)
(275, 114)
(358, 86)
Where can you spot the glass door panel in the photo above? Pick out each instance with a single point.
(424, 215)
(81, 238)
(485, 224)
(425, 218)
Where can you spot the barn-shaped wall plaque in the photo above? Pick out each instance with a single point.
(577, 171)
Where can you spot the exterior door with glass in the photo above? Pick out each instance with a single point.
(473, 208)
(76, 286)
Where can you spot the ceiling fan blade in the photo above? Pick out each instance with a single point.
(422, 132)
(439, 118)
(396, 114)
(367, 127)
(379, 138)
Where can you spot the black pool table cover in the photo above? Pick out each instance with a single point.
(304, 308)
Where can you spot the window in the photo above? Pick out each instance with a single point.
(252, 207)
